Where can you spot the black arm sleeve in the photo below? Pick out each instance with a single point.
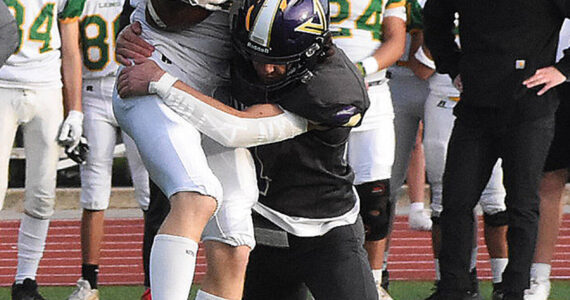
(439, 17)
(9, 38)
(125, 18)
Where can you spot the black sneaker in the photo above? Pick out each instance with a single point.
(28, 290)
(439, 294)
(498, 293)
(385, 279)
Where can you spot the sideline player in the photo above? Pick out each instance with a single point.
(31, 85)
(317, 205)
(173, 152)
(373, 36)
(9, 36)
(98, 30)
(409, 94)
(552, 188)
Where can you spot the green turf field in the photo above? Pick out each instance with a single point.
(400, 290)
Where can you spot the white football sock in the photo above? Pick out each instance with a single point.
(172, 262)
(437, 273)
(201, 295)
(540, 271)
(416, 206)
(498, 266)
(377, 274)
(31, 243)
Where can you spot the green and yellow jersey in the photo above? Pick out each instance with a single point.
(99, 25)
(37, 61)
(357, 24)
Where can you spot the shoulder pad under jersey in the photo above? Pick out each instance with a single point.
(335, 95)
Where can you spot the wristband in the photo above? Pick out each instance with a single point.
(163, 85)
(422, 57)
(370, 65)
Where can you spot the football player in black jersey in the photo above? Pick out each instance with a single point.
(307, 225)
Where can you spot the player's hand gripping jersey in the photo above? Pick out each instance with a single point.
(36, 63)
(99, 25)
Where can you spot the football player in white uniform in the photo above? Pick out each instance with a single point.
(372, 33)
(98, 29)
(192, 170)
(409, 93)
(31, 86)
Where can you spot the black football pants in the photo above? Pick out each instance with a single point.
(333, 267)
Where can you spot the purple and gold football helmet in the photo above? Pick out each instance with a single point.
(291, 32)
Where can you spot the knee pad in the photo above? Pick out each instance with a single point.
(496, 220)
(375, 208)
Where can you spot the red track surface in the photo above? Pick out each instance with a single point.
(410, 254)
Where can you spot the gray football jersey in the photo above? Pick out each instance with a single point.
(199, 55)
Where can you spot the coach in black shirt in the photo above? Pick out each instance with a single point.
(504, 70)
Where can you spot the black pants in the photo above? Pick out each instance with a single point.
(473, 151)
(332, 266)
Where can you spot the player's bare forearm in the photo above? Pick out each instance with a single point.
(421, 70)
(134, 81)
(71, 65)
(394, 43)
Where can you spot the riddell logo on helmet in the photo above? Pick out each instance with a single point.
(257, 48)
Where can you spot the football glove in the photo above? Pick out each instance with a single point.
(78, 153)
(71, 129)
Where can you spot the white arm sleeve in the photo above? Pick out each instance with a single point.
(227, 129)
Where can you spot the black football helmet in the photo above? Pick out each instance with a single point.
(291, 32)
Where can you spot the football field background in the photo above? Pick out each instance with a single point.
(121, 276)
(400, 290)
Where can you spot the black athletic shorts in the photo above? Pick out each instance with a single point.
(333, 267)
(559, 153)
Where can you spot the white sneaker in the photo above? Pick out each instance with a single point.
(539, 290)
(419, 220)
(83, 291)
(383, 294)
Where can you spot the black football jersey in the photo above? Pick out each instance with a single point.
(308, 176)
